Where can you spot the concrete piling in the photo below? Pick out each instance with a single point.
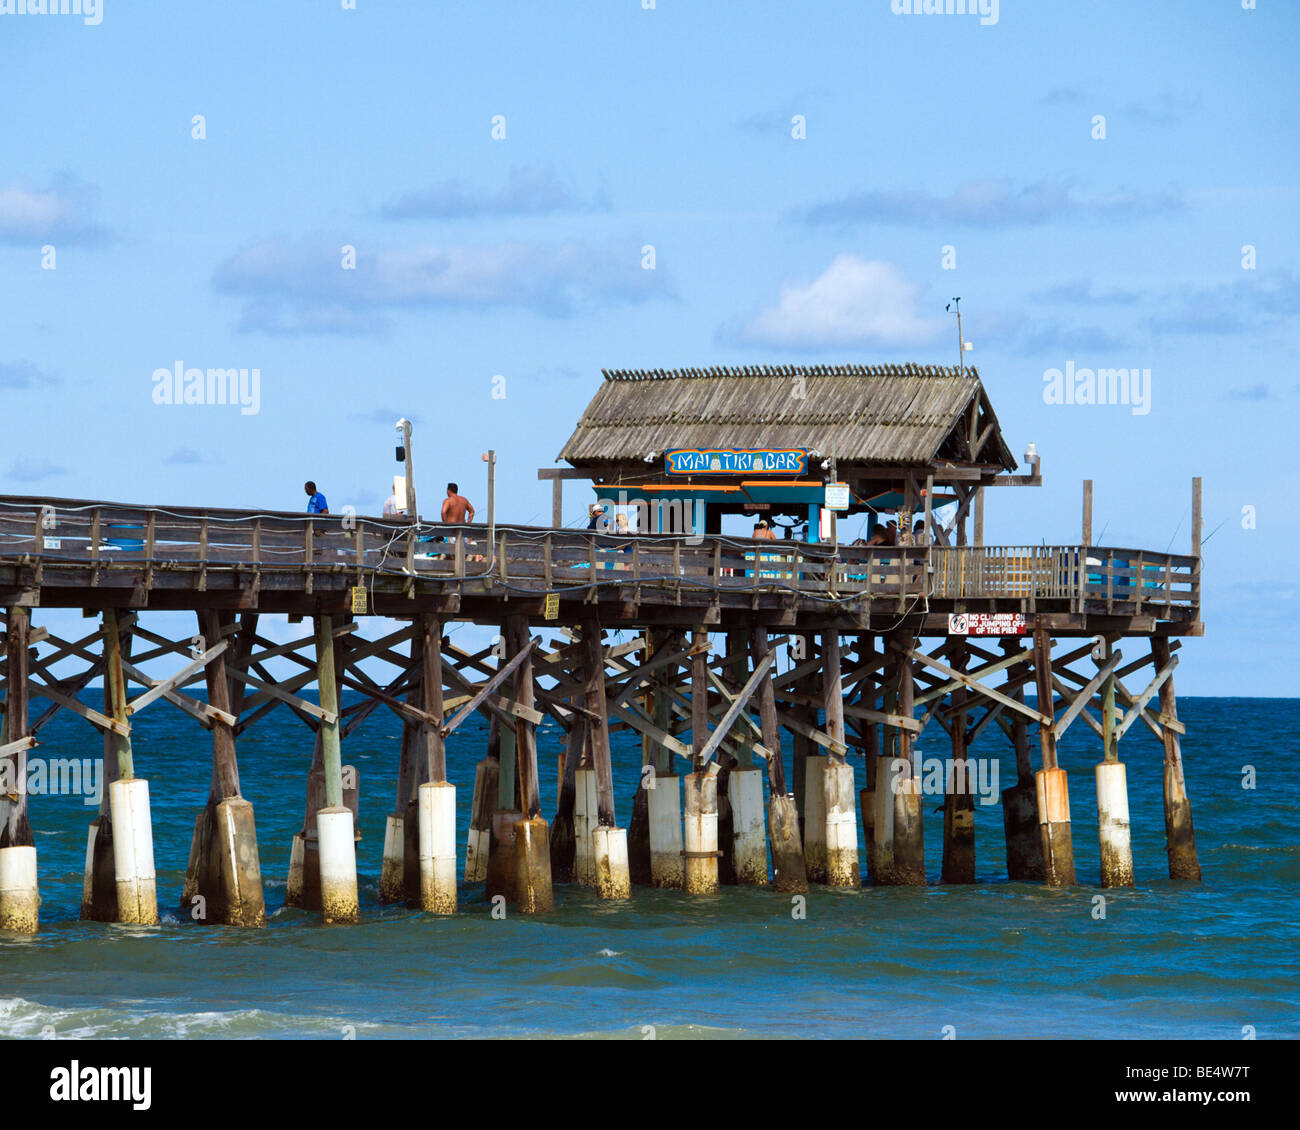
(664, 802)
(1113, 825)
(19, 897)
(533, 890)
(437, 806)
(749, 836)
(338, 866)
(133, 866)
(841, 845)
(701, 834)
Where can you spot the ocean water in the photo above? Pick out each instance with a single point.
(996, 959)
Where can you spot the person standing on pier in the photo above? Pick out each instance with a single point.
(456, 509)
(316, 503)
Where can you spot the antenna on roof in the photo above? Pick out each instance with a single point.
(963, 346)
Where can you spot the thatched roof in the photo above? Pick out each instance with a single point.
(876, 414)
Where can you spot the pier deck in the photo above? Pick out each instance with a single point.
(862, 684)
(87, 554)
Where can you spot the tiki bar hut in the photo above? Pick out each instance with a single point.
(795, 445)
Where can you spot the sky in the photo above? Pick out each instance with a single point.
(534, 192)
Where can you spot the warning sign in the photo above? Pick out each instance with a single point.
(551, 606)
(986, 624)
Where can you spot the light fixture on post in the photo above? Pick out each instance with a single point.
(404, 457)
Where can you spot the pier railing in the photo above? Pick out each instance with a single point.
(56, 534)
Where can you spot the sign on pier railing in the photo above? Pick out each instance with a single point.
(986, 624)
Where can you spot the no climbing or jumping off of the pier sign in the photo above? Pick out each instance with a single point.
(986, 624)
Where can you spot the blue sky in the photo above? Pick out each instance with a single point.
(671, 127)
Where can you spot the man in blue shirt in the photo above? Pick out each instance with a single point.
(316, 503)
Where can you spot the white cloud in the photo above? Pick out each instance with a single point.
(298, 286)
(855, 302)
(61, 213)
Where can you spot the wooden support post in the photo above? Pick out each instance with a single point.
(788, 868)
(1180, 835)
(128, 798)
(701, 809)
(869, 733)
(638, 831)
(1087, 513)
(899, 830)
(335, 832)
(1020, 801)
(436, 796)
(19, 895)
(1053, 790)
(839, 831)
(741, 832)
(959, 795)
(608, 842)
(663, 802)
(977, 520)
(99, 882)
(563, 840)
(223, 882)
(392, 875)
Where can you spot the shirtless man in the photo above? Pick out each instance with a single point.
(456, 510)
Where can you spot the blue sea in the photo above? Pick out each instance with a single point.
(996, 959)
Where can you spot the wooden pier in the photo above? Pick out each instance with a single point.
(886, 642)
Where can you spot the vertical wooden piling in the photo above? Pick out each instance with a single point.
(788, 869)
(899, 827)
(1112, 794)
(1180, 835)
(1053, 790)
(334, 826)
(563, 843)
(19, 892)
(532, 836)
(436, 796)
(609, 842)
(840, 835)
(1020, 801)
(701, 807)
(959, 795)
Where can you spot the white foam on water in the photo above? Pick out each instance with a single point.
(21, 1019)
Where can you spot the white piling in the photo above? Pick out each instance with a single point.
(437, 805)
(814, 817)
(19, 897)
(585, 819)
(338, 865)
(701, 833)
(842, 868)
(133, 867)
(1113, 825)
(392, 878)
(613, 877)
(749, 834)
(664, 804)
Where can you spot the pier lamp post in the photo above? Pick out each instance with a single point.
(404, 457)
(490, 458)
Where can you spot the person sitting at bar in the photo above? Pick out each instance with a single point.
(763, 532)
